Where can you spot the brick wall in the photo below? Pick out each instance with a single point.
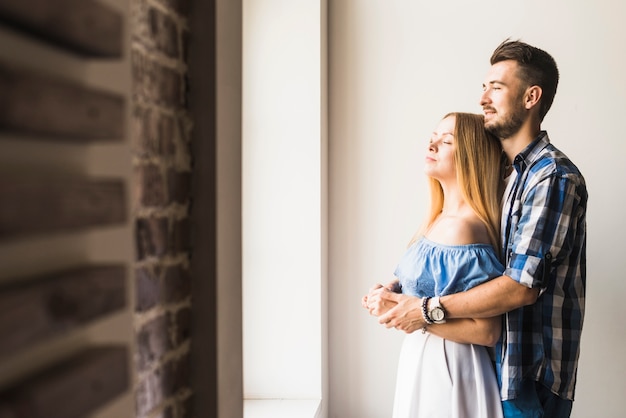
(160, 131)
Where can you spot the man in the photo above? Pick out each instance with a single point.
(542, 290)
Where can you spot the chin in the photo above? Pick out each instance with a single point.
(492, 128)
(491, 122)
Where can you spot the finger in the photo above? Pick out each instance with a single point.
(391, 296)
(407, 327)
(377, 292)
(390, 324)
(375, 307)
(375, 287)
(385, 318)
(373, 299)
(394, 286)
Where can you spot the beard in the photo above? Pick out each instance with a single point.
(509, 125)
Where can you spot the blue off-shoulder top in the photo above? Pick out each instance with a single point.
(431, 269)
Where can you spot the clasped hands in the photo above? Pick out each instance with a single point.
(394, 310)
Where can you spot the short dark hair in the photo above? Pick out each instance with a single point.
(536, 68)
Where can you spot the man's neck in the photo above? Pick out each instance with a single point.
(520, 140)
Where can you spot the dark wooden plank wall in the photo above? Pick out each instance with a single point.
(51, 107)
(86, 27)
(70, 389)
(37, 205)
(34, 310)
(37, 106)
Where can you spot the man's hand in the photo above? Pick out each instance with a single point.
(405, 313)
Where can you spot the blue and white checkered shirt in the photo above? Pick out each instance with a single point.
(544, 244)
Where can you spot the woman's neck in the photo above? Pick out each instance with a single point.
(453, 202)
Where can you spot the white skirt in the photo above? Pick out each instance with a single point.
(438, 378)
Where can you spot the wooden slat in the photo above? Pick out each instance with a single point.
(34, 310)
(72, 389)
(46, 106)
(38, 206)
(86, 27)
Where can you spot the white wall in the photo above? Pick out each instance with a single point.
(396, 67)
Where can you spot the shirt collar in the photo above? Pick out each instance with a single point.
(531, 152)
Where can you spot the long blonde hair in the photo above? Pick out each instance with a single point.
(479, 169)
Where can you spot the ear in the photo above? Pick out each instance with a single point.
(532, 96)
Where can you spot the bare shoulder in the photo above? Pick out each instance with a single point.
(460, 230)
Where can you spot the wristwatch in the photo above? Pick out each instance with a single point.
(435, 311)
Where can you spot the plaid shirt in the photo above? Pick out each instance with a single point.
(544, 244)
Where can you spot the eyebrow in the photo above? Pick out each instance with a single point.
(492, 82)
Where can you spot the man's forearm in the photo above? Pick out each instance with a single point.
(490, 299)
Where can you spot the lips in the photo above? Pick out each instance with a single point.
(489, 111)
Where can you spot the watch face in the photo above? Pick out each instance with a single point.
(437, 314)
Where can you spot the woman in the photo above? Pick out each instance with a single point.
(446, 370)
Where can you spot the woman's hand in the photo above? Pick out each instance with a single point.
(376, 302)
(364, 300)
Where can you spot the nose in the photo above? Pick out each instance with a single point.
(484, 97)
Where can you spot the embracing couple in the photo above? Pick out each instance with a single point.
(491, 290)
